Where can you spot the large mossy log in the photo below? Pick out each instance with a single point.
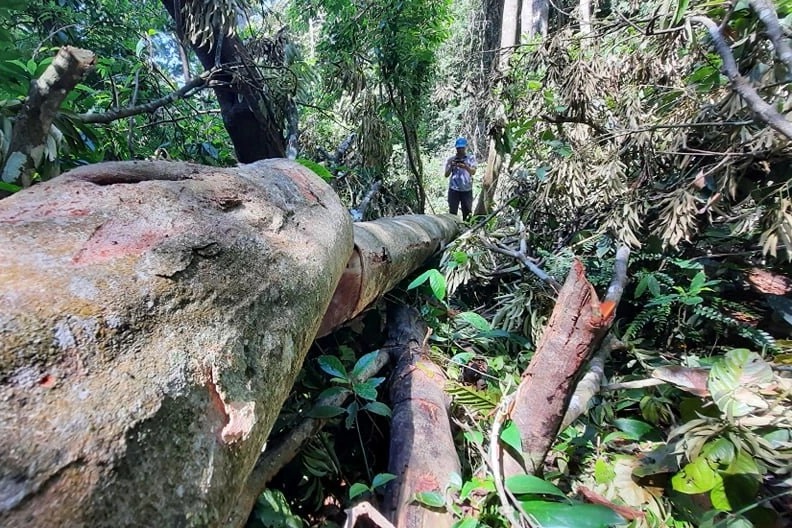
(154, 317)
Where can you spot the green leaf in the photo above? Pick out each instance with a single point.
(9, 187)
(377, 408)
(474, 437)
(326, 411)
(696, 477)
(720, 452)
(332, 391)
(467, 522)
(564, 515)
(735, 492)
(682, 6)
(420, 279)
(654, 286)
(333, 366)
(352, 411)
(731, 378)
(634, 429)
(363, 363)
(438, 284)
(272, 509)
(743, 463)
(511, 437)
(697, 282)
(433, 499)
(475, 320)
(477, 483)
(604, 473)
(319, 170)
(357, 489)
(641, 288)
(365, 390)
(381, 479)
(530, 484)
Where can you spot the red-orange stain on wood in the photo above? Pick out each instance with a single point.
(607, 308)
(302, 182)
(429, 409)
(115, 240)
(426, 482)
(47, 381)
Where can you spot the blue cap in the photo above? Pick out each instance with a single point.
(461, 143)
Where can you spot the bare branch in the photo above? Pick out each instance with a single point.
(766, 12)
(764, 112)
(196, 83)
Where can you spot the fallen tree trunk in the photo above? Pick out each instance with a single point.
(154, 318)
(577, 325)
(422, 452)
(386, 251)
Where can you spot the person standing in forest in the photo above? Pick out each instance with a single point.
(461, 168)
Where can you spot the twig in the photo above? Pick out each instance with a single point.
(591, 383)
(364, 509)
(526, 261)
(496, 459)
(196, 83)
(637, 384)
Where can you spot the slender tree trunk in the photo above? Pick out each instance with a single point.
(510, 23)
(493, 21)
(585, 16)
(256, 129)
(33, 122)
(490, 181)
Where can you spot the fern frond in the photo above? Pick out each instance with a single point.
(472, 398)
(756, 336)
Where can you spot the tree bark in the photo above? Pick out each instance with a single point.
(576, 327)
(493, 16)
(490, 181)
(255, 126)
(766, 12)
(742, 86)
(510, 36)
(142, 392)
(386, 251)
(422, 452)
(33, 122)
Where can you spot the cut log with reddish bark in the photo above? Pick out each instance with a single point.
(386, 251)
(577, 326)
(422, 453)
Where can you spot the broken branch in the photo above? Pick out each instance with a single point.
(763, 111)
